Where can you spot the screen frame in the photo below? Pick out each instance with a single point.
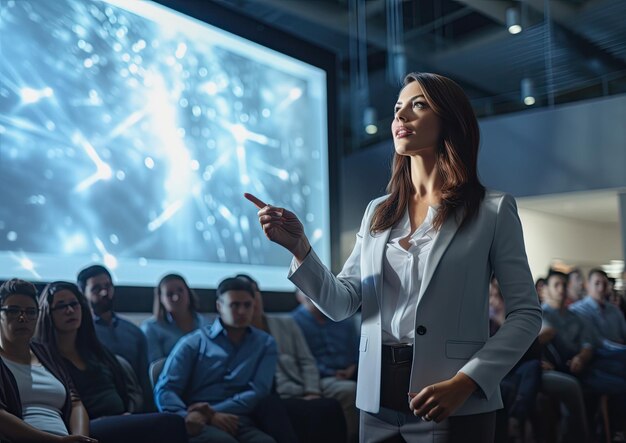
(138, 298)
(232, 20)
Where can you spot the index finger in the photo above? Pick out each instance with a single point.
(258, 203)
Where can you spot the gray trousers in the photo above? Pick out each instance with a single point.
(387, 424)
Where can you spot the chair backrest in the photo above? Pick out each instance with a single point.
(133, 387)
(155, 370)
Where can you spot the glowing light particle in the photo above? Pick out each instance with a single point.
(110, 261)
(181, 50)
(295, 93)
(27, 264)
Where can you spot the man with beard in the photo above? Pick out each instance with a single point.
(120, 336)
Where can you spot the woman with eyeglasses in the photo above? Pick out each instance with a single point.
(38, 402)
(65, 324)
(174, 315)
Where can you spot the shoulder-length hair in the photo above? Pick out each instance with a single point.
(158, 310)
(86, 338)
(457, 157)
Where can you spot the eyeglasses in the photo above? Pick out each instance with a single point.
(13, 313)
(63, 306)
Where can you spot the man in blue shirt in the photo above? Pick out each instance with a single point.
(606, 320)
(118, 335)
(216, 375)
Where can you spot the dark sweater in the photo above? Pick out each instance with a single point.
(101, 385)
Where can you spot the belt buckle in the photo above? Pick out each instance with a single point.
(394, 350)
(393, 354)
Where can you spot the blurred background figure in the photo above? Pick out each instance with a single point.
(335, 348)
(117, 334)
(174, 314)
(297, 381)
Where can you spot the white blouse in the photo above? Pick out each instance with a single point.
(403, 271)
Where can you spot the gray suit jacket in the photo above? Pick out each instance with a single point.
(453, 304)
(296, 371)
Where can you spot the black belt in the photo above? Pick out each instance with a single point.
(397, 354)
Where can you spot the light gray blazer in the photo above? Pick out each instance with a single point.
(452, 307)
(296, 371)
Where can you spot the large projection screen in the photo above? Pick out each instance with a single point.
(129, 133)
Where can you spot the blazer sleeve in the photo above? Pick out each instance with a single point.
(337, 297)
(523, 314)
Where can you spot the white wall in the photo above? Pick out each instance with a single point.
(549, 237)
(575, 242)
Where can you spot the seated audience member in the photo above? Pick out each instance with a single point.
(568, 349)
(607, 321)
(520, 386)
(216, 375)
(118, 335)
(568, 341)
(540, 286)
(496, 306)
(335, 347)
(297, 379)
(575, 286)
(66, 327)
(615, 298)
(569, 344)
(38, 402)
(174, 315)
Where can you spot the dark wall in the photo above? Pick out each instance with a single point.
(140, 299)
(574, 147)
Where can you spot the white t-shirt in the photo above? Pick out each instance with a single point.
(42, 396)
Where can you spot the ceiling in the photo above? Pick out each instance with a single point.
(592, 206)
(570, 49)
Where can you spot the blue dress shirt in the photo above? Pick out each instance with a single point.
(333, 344)
(162, 335)
(608, 323)
(205, 366)
(123, 338)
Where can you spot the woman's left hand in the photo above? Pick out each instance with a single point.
(436, 402)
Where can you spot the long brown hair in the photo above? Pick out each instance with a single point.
(87, 342)
(86, 338)
(457, 157)
(158, 310)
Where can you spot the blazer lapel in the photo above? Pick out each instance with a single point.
(445, 236)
